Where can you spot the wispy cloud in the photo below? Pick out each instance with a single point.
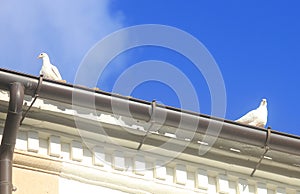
(64, 29)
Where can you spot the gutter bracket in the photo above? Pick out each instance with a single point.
(151, 121)
(266, 147)
(36, 95)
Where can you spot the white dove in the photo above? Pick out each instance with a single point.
(48, 70)
(257, 117)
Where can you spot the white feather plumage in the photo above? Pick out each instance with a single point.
(257, 117)
(48, 70)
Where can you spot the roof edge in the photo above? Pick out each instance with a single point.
(141, 110)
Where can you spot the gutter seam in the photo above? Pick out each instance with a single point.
(266, 147)
(36, 95)
(151, 121)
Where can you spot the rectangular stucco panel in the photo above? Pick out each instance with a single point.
(34, 182)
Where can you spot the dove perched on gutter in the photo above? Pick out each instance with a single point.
(48, 70)
(257, 117)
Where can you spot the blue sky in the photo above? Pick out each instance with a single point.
(256, 45)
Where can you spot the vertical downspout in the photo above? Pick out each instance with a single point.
(11, 127)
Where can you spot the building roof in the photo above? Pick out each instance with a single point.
(63, 107)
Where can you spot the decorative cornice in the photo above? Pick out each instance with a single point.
(62, 149)
(135, 173)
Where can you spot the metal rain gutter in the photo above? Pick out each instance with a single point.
(141, 110)
(11, 127)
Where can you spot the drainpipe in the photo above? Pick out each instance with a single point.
(11, 127)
